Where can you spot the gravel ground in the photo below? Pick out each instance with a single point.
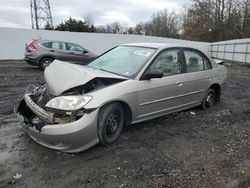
(208, 148)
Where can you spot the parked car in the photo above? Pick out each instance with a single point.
(80, 106)
(41, 52)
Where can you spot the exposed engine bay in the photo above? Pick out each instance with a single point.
(92, 85)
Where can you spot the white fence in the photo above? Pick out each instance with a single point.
(13, 40)
(13, 43)
(232, 50)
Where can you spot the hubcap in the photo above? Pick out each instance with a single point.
(112, 124)
(46, 64)
(210, 100)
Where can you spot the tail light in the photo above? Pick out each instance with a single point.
(31, 45)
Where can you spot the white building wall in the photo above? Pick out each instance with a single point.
(13, 40)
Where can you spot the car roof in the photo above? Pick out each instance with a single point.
(154, 45)
(48, 40)
(161, 46)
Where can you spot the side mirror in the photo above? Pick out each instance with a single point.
(151, 73)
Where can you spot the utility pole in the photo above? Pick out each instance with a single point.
(40, 14)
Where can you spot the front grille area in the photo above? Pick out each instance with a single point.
(44, 98)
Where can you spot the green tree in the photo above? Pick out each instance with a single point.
(48, 27)
(74, 25)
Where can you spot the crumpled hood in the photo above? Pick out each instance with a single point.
(61, 76)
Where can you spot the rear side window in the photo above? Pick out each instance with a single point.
(59, 45)
(46, 44)
(195, 61)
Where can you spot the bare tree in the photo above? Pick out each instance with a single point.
(246, 18)
(213, 20)
(163, 24)
(100, 29)
(116, 27)
(131, 30)
(139, 29)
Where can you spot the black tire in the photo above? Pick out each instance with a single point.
(45, 62)
(110, 123)
(209, 99)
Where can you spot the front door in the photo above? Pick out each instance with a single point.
(162, 95)
(77, 53)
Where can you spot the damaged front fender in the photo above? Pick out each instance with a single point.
(47, 117)
(74, 136)
(34, 115)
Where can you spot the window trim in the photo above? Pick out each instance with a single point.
(40, 44)
(198, 52)
(163, 50)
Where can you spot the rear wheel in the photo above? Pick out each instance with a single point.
(45, 62)
(110, 123)
(209, 100)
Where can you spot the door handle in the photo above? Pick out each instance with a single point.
(179, 83)
(52, 50)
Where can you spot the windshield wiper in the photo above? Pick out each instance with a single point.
(113, 73)
(126, 76)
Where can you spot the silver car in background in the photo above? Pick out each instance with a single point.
(79, 106)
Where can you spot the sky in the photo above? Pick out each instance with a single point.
(16, 13)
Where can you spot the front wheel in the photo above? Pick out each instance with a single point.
(209, 100)
(110, 123)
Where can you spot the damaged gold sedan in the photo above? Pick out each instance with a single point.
(79, 106)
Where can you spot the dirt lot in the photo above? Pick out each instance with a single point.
(207, 149)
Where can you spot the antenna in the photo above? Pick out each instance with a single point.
(40, 14)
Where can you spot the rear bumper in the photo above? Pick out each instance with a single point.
(70, 137)
(30, 59)
(34, 63)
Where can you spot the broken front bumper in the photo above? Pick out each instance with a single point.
(74, 136)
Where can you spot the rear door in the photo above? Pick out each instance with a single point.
(198, 74)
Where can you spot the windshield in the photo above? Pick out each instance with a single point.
(123, 60)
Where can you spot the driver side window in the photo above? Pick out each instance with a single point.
(168, 62)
